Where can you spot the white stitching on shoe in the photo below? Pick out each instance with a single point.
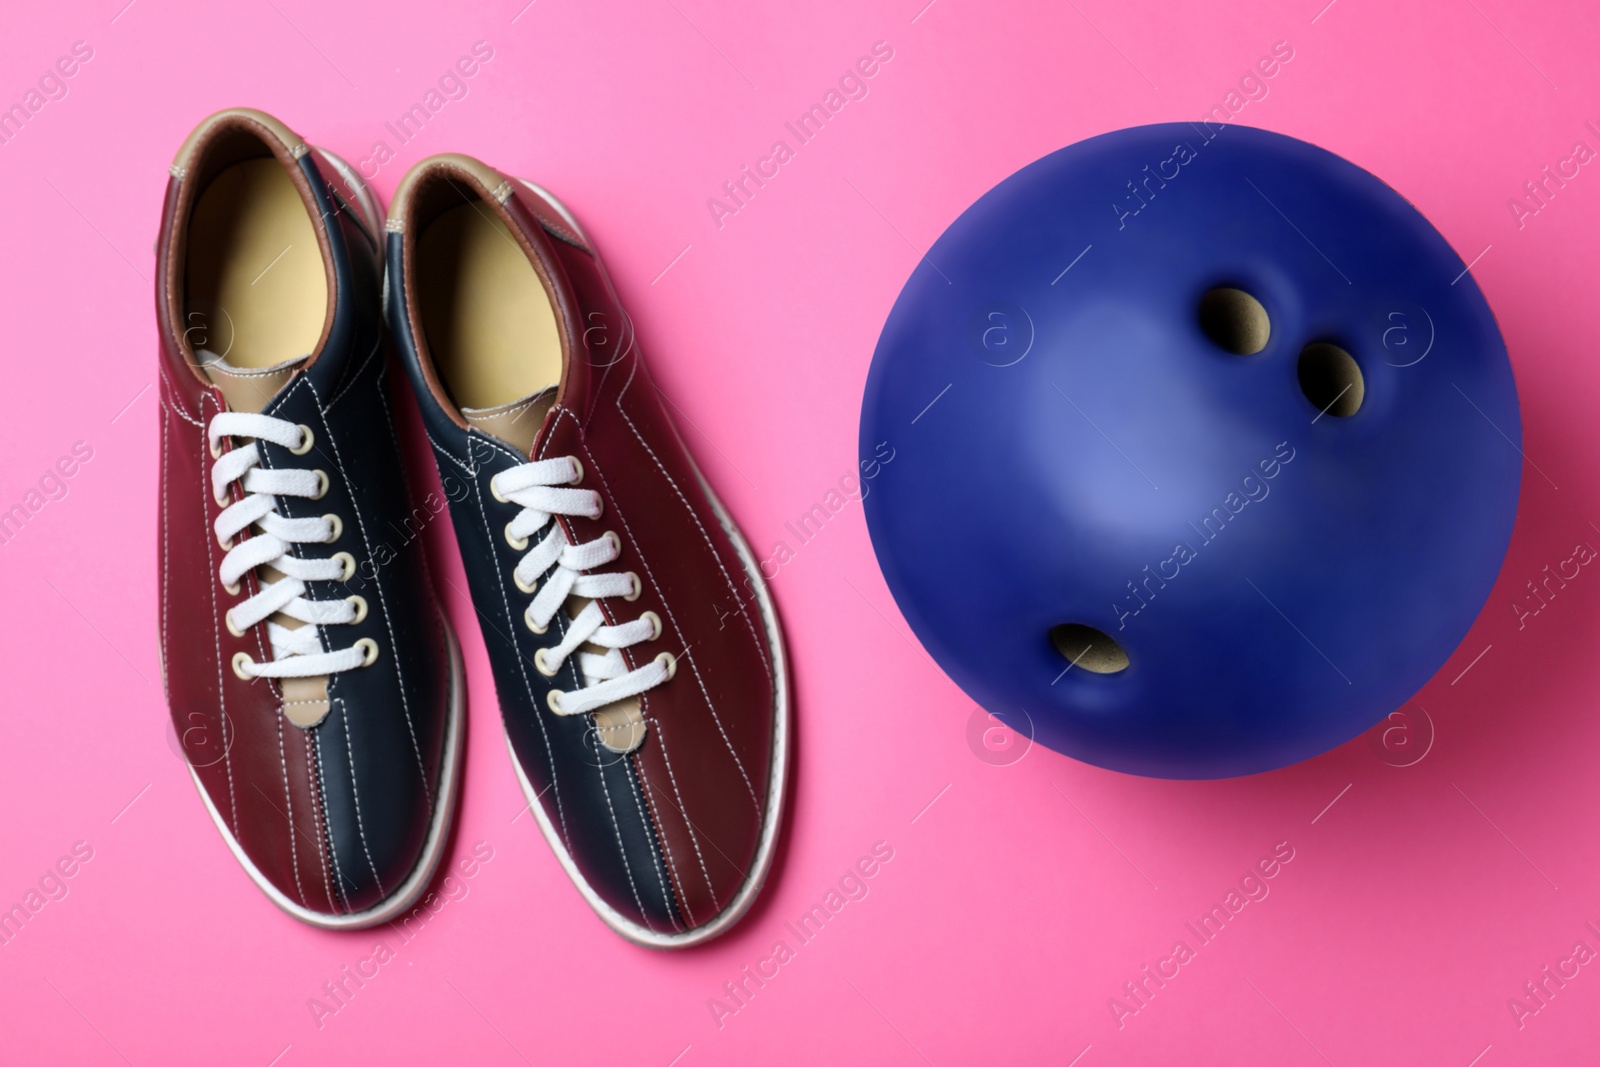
(322, 853)
(541, 489)
(166, 552)
(383, 604)
(327, 822)
(216, 624)
(466, 468)
(744, 613)
(655, 854)
(599, 386)
(678, 892)
(511, 631)
(355, 790)
(621, 850)
(288, 800)
(394, 439)
(672, 778)
(175, 399)
(562, 412)
(617, 510)
(359, 371)
(343, 707)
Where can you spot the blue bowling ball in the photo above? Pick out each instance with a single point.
(1207, 450)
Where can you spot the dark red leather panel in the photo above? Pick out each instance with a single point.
(253, 771)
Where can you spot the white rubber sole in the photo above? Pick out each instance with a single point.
(777, 790)
(408, 892)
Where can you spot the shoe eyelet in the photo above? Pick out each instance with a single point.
(369, 651)
(222, 499)
(527, 618)
(655, 621)
(543, 664)
(553, 699)
(360, 604)
(528, 588)
(338, 527)
(226, 544)
(671, 662)
(638, 588)
(231, 590)
(227, 617)
(322, 485)
(518, 543)
(577, 465)
(307, 440)
(349, 563)
(216, 448)
(242, 665)
(616, 541)
(494, 490)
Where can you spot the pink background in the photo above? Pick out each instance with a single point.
(1029, 891)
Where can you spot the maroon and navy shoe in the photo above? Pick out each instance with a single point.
(635, 651)
(313, 681)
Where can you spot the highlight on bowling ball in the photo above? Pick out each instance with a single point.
(1207, 450)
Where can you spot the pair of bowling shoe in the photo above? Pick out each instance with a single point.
(312, 674)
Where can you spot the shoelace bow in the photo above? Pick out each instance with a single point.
(297, 652)
(543, 489)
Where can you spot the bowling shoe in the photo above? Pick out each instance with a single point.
(635, 651)
(314, 685)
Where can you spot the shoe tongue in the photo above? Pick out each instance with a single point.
(516, 423)
(248, 389)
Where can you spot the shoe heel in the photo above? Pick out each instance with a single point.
(560, 209)
(366, 200)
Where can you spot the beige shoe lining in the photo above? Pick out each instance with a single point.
(489, 322)
(253, 257)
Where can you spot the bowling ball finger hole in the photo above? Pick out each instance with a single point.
(1331, 379)
(1093, 650)
(1235, 321)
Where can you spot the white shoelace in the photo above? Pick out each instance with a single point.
(297, 652)
(540, 488)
